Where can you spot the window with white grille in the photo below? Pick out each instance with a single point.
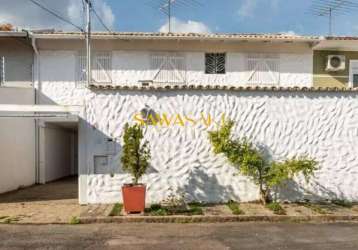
(101, 64)
(263, 69)
(168, 67)
(215, 63)
(2, 70)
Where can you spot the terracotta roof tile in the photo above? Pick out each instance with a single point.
(217, 87)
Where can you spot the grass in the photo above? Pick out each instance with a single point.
(9, 220)
(235, 208)
(74, 220)
(116, 210)
(342, 203)
(159, 210)
(195, 209)
(316, 208)
(276, 208)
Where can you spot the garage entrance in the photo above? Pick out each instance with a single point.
(58, 150)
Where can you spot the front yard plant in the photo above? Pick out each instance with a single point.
(235, 208)
(276, 208)
(250, 161)
(116, 210)
(135, 160)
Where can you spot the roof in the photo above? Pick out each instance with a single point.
(342, 38)
(176, 36)
(218, 87)
(13, 34)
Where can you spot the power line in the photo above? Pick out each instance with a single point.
(329, 8)
(52, 12)
(100, 20)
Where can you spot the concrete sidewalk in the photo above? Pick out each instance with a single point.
(55, 202)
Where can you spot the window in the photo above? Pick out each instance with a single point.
(355, 80)
(353, 73)
(168, 67)
(215, 63)
(263, 69)
(2, 70)
(101, 67)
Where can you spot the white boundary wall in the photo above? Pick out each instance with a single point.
(17, 143)
(319, 124)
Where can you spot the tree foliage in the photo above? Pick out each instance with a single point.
(136, 154)
(250, 161)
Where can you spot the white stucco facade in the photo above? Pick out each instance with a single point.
(320, 125)
(58, 72)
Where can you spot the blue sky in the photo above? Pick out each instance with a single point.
(223, 16)
(230, 16)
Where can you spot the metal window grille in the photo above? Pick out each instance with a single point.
(2, 70)
(101, 68)
(168, 68)
(263, 69)
(215, 63)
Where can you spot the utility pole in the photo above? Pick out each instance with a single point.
(330, 21)
(170, 15)
(88, 42)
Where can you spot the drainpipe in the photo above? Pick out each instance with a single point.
(36, 85)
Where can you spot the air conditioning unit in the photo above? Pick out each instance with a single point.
(336, 63)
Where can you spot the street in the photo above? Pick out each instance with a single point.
(182, 236)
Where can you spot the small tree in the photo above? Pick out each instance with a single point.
(250, 162)
(136, 154)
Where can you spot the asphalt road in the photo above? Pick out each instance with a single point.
(182, 236)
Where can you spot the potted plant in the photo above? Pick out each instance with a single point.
(135, 160)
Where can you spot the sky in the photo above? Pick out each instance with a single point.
(210, 16)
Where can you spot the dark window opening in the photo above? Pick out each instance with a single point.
(355, 80)
(215, 63)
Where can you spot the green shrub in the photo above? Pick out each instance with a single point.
(250, 161)
(195, 209)
(235, 208)
(136, 154)
(154, 207)
(116, 210)
(75, 220)
(276, 208)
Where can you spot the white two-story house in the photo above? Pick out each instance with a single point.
(262, 82)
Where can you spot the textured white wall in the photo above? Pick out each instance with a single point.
(17, 143)
(322, 125)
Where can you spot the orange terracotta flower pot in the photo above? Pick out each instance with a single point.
(134, 198)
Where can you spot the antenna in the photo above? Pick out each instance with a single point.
(168, 6)
(329, 8)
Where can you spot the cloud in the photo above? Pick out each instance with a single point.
(180, 26)
(248, 7)
(289, 33)
(24, 14)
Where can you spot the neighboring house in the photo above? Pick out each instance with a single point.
(17, 135)
(336, 62)
(16, 59)
(263, 82)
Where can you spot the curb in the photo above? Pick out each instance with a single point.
(218, 219)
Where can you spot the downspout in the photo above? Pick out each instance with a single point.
(36, 85)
